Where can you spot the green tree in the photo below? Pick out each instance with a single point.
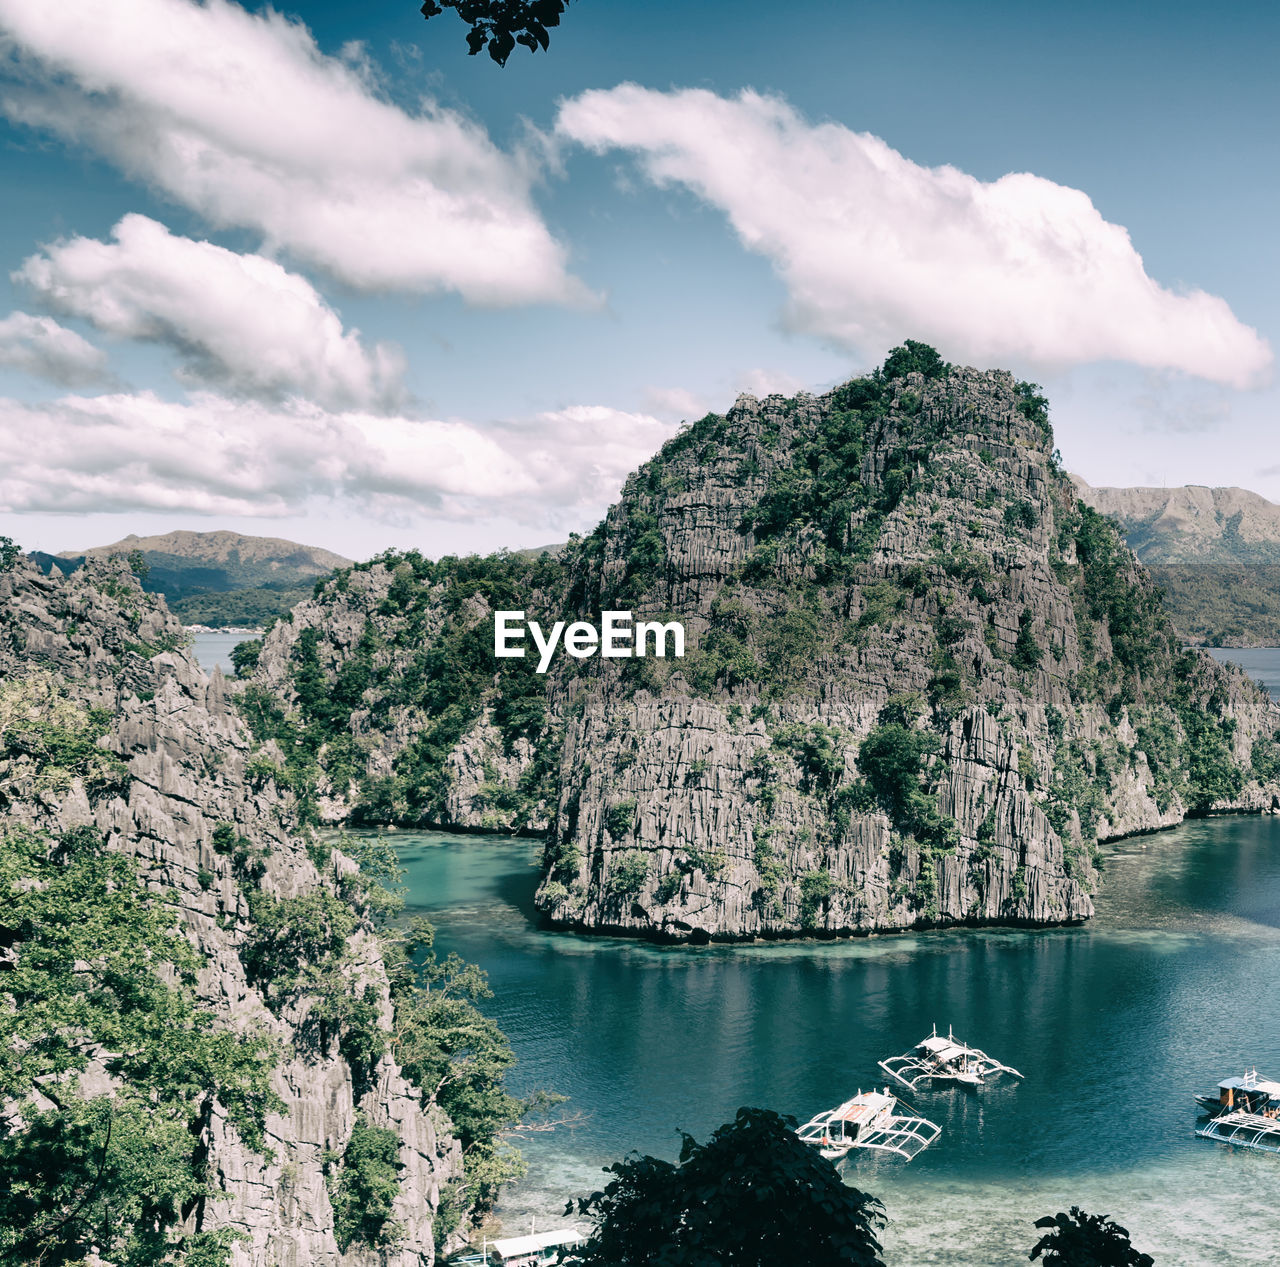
(753, 1195)
(244, 656)
(891, 757)
(139, 566)
(364, 1182)
(1086, 1240)
(98, 970)
(8, 554)
(1026, 652)
(910, 356)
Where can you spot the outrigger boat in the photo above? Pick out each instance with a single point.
(944, 1060)
(1245, 1111)
(868, 1121)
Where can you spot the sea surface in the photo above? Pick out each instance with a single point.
(1172, 986)
(1260, 663)
(215, 649)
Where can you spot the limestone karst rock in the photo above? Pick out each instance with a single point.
(923, 681)
(180, 751)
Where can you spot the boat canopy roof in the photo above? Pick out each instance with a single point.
(942, 1048)
(519, 1246)
(863, 1106)
(1251, 1082)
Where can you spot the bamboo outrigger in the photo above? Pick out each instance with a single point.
(944, 1060)
(868, 1121)
(1245, 1111)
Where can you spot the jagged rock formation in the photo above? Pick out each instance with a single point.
(182, 757)
(922, 682)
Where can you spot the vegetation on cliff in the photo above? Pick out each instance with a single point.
(191, 979)
(99, 975)
(909, 536)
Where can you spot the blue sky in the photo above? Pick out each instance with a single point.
(351, 318)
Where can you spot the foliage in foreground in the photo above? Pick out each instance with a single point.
(98, 972)
(1086, 1240)
(752, 1194)
(499, 25)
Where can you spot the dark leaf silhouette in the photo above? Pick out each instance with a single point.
(499, 25)
(753, 1195)
(1086, 1240)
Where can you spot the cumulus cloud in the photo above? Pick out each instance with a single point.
(873, 247)
(218, 456)
(240, 321)
(762, 383)
(679, 402)
(241, 117)
(40, 346)
(675, 402)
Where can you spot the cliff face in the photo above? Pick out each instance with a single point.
(182, 785)
(922, 681)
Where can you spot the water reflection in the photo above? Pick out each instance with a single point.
(1115, 1025)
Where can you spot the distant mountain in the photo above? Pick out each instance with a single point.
(236, 561)
(217, 578)
(1191, 523)
(1214, 551)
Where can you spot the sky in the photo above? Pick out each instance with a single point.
(311, 271)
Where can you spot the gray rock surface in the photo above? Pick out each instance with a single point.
(98, 638)
(953, 566)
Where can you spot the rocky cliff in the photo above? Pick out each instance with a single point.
(109, 724)
(923, 680)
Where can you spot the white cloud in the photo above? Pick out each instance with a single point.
(241, 321)
(40, 346)
(679, 402)
(217, 456)
(675, 402)
(874, 248)
(241, 117)
(762, 383)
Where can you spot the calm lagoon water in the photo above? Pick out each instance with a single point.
(215, 649)
(1260, 663)
(1115, 1024)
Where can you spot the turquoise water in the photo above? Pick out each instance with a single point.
(1116, 1024)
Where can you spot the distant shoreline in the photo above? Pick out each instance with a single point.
(232, 629)
(1232, 646)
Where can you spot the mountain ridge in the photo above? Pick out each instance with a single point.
(1191, 523)
(221, 546)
